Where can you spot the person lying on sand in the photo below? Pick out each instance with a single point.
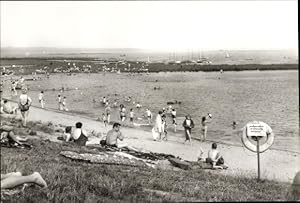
(215, 158)
(12, 180)
(115, 138)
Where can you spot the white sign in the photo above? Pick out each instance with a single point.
(256, 129)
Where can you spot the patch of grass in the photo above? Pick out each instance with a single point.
(73, 181)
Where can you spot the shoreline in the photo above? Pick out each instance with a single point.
(145, 130)
(275, 165)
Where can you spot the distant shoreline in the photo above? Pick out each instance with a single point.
(32, 64)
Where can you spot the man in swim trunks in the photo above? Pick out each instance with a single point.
(214, 158)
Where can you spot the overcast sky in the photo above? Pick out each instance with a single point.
(151, 24)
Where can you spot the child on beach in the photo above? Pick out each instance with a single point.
(107, 112)
(13, 88)
(131, 115)
(104, 119)
(122, 113)
(41, 99)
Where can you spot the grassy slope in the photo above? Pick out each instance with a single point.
(73, 181)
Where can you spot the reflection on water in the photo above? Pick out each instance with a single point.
(268, 96)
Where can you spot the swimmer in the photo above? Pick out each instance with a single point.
(138, 106)
(104, 100)
(234, 125)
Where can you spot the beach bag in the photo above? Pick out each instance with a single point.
(155, 134)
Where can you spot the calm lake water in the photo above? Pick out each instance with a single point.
(268, 96)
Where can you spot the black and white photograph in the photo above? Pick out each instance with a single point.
(149, 101)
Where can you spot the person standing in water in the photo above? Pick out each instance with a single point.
(149, 115)
(24, 104)
(173, 113)
(59, 100)
(204, 122)
(122, 113)
(188, 124)
(164, 127)
(41, 99)
(131, 115)
(104, 119)
(107, 112)
(64, 104)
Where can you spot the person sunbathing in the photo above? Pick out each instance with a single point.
(78, 135)
(8, 136)
(215, 158)
(115, 138)
(6, 108)
(12, 180)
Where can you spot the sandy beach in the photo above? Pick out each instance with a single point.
(275, 165)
